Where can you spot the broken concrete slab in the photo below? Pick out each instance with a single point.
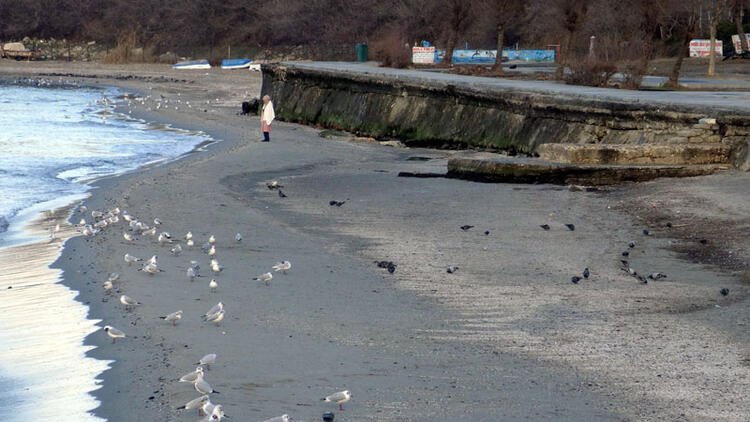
(665, 154)
(530, 170)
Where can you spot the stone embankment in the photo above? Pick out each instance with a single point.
(559, 123)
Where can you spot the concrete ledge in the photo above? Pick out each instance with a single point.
(665, 154)
(521, 170)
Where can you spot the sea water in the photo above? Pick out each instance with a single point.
(52, 142)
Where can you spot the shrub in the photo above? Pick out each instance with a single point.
(590, 72)
(392, 50)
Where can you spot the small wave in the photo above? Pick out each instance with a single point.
(4, 225)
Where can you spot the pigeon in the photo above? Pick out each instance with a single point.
(339, 398)
(207, 360)
(586, 272)
(657, 276)
(572, 227)
(466, 227)
(575, 279)
(336, 203)
(624, 262)
(264, 277)
(631, 245)
(669, 224)
(238, 237)
(724, 291)
(383, 264)
(626, 253)
(273, 185)
(486, 232)
(114, 333)
(452, 269)
(391, 267)
(281, 194)
(173, 317)
(646, 232)
(703, 241)
(545, 226)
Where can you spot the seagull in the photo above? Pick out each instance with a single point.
(202, 386)
(173, 317)
(216, 318)
(212, 251)
(217, 413)
(129, 259)
(192, 376)
(282, 266)
(83, 209)
(196, 404)
(657, 276)
(208, 409)
(128, 301)
(157, 222)
(207, 360)
(212, 240)
(97, 214)
(153, 259)
(214, 310)
(151, 268)
(189, 236)
(339, 398)
(213, 285)
(191, 274)
(108, 285)
(162, 239)
(215, 267)
(127, 237)
(274, 184)
(238, 237)
(190, 243)
(264, 277)
(114, 333)
(176, 250)
(114, 277)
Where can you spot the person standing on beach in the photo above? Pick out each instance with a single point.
(267, 116)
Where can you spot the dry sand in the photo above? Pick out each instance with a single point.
(507, 337)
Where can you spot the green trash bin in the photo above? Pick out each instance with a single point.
(361, 50)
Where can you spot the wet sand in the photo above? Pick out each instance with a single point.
(506, 337)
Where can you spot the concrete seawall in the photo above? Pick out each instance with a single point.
(449, 111)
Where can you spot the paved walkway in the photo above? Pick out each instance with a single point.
(707, 101)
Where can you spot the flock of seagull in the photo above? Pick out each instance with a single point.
(135, 230)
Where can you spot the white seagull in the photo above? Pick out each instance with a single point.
(339, 398)
(213, 285)
(207, 360)
(192, 376)
(173, 317)
(196, 404)
(282, 266)
(114, 333)
(128, 301)
(129, 259)
(264, 277)
(238, 237)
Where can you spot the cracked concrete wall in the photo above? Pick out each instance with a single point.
(443, 116)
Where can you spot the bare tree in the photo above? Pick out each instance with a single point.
(453, 17)
(737, 9)
(683, 16)
(503, 13)
(715, 9)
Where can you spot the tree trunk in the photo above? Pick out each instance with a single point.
(448, 60)
(498, 67)
(674, 78)
(740, 30)
(562, 60)
(712, 47)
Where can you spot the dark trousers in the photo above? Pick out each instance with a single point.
(266, 137)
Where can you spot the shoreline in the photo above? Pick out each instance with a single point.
(440, 346)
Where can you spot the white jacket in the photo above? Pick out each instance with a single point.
(268, 114)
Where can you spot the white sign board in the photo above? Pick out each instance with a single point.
(736, 42)
(423, 55)
(700, 48)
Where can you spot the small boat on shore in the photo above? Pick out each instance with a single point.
(192, 64)
(235, 63)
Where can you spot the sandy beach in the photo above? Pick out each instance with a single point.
(505, 337)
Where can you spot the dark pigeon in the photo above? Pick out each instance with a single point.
(669, 224)
(646, 232)
(391, 267)
(486, 232)
(575, 279)
(281, 194)
(466, 227)
(626, 253)
(631, 245)
(572, 227)
(657, 276)
(452, 269)
(586, 272)
(545, 226)
(336, 203)
(724, 291)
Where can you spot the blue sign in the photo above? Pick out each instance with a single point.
(490, 56)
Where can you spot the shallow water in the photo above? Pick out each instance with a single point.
(52, 141)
